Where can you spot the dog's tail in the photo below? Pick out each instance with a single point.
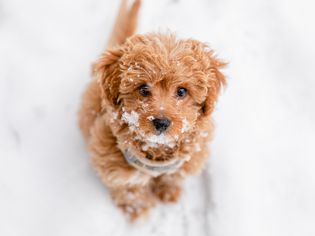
(125, 24)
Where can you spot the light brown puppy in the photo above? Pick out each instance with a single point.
(147, 114)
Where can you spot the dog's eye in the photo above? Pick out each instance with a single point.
(144, 90)
(181, 92)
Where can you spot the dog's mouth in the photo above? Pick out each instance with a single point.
(159, 152)
(157, 148)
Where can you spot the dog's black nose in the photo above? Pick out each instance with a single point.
(161, 124)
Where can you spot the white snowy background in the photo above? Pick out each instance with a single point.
(260, 180)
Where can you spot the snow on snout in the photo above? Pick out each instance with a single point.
(162, 139)
(185, 125)
(132, 119)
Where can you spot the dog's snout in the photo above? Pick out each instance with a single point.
(161, 124)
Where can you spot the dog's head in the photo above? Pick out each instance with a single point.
(160, 87)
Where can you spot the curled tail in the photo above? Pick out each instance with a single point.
(125, 24)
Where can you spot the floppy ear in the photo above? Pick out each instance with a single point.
(107, 72)
(216, 80)
(210, 66)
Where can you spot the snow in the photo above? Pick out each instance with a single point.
(260, 178)
(153, 140)
(115, 115)
(132, 118)
(145, 147)
(185, 125)
(150, 118)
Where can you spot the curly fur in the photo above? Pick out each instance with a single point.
(165, 63)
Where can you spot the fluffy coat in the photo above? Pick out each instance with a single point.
(114, 117)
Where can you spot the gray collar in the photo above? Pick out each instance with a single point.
(154, 168)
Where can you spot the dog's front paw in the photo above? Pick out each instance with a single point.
(135, 210)
(134, 201)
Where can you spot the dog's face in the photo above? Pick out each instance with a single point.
(161, 88)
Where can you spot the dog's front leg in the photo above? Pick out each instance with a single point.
(129, 187)
(167, 187)
(135, 201)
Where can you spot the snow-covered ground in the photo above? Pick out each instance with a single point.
(261, 176)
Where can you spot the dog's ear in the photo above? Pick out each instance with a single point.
(210, 65)
(107, 72)
(216, 80)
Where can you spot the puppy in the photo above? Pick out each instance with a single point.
(146, 116)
